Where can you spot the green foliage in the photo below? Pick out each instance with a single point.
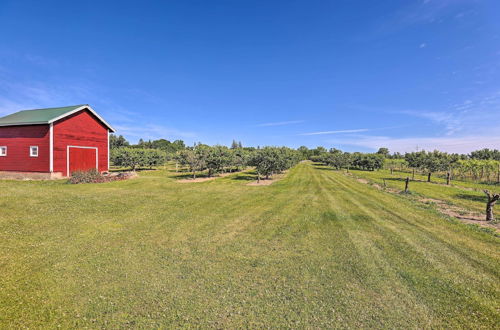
(117, 141)
(195, 159)
(367, 161)
(486, 154)
(395, 163)
(135, 157)
(384, 152)
(240, 158)
(478, 170)
(217, 158)
(162, 144)
(271, 160)
(431, 161)
(337, 159)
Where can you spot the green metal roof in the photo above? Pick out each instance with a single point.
(44, 116)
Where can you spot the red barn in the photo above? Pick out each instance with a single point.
(54, 142)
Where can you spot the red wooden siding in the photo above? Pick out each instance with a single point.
(82, 129)
(18, 140)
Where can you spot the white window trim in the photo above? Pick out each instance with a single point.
(96, 157)
(1, 154)
(31, 151)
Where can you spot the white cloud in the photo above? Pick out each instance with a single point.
(423, 45)
(338, 132)
(281, 123)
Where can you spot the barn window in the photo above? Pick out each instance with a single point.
(34, 151)
(3, 151)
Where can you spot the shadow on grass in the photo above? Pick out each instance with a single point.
(189, 175)
(121, 170)
(473, 198)
(250, 175)
(324, 168)
(245, 177)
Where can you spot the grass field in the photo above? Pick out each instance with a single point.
(316, 249)
(471, 198)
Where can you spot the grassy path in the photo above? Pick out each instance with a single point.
(473, 199)
(316, 249)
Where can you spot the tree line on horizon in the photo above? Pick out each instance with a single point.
(477, 165)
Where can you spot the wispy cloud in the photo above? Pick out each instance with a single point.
(461, 144)
(422, 12)
(152, 131)
(472, 116)
(344, 131)
(281, 123)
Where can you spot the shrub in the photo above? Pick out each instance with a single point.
(91, 176)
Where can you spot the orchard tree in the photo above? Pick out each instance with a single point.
(271, 160)
(485, 154)
(193, 158)
(217, 158)
(384, 152)
(239, 158)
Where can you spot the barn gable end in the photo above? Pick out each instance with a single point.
(80, 130)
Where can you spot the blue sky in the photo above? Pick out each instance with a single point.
(355, 75)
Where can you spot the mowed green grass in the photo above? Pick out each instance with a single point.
(316, 249)
(471, 198)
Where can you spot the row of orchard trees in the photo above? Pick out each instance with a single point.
(219, 159)
(463, 167)
(201, 157)
(135, 158)
(339, 159)
(476, 166)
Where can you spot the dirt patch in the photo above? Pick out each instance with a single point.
(362, 180)
(203, 179)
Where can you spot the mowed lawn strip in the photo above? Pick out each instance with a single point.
(314, 249)
(471, 198)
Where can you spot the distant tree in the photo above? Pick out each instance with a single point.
(338, 159)
(304, 152)
(429, 161)
(384, 152)
(240, 145)
(367, 161)
(485, 154)
(397, 155)
(117, 141)
(318, 151)
(234, 144)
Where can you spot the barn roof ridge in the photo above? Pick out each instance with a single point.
(47, 116)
